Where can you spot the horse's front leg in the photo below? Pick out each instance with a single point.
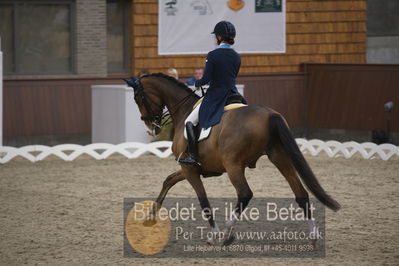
(169, 182)
(193, 177)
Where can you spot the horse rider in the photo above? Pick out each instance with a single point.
(221, 69)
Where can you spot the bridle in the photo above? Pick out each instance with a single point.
(154, 118)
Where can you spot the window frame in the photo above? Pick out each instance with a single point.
(72, 39)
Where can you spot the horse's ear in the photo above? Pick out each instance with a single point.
(133, 82)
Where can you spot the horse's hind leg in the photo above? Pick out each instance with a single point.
(244, 195)
(281, 160)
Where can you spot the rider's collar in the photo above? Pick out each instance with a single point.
(224, 45)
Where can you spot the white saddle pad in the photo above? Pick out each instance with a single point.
(204, 134)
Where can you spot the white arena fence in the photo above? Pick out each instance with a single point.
(162, 149)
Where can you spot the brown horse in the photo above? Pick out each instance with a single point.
(242, 136)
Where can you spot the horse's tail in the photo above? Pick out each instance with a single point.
(281, 132)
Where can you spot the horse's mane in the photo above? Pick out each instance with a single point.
(173, 80)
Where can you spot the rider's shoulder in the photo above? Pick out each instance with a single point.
(212, 54)
(218, 51)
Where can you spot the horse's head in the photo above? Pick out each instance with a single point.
(153, 92)
(150, 105)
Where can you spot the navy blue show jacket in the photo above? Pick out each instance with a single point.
(221, 69)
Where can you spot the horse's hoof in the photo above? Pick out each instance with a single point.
(149, 223)
(210, 241)
(229, 240)
(313, 243)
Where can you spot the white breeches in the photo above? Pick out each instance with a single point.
(193, 117)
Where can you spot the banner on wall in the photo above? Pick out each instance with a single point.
(185, 25)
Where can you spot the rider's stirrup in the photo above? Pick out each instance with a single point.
(192, 151)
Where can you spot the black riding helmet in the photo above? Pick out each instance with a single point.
(225, 29)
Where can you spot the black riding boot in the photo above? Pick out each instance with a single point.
(192, 150)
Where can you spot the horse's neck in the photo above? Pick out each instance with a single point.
(178, 102)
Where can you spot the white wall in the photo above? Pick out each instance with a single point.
(115, 116)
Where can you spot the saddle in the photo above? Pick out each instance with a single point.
(235, 98)
(233, 101)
